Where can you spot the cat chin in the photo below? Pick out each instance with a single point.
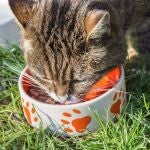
(57, 98)
(63, 99)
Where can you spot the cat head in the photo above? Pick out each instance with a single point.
(69, 44)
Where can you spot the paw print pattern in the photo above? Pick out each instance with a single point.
(78, 124)
(30, 113)
(119, 101)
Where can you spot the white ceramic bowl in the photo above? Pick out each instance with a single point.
(75, 119)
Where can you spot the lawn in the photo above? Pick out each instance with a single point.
(130, 132)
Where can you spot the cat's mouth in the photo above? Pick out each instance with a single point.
(66, 99)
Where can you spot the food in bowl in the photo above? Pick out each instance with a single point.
(104, 84)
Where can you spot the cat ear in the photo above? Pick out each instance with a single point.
(97, 23)
(23, 10)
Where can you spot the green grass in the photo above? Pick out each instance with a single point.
(130, 132)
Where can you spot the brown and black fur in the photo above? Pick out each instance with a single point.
(62, 45)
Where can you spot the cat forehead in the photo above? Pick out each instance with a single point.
(59, 26)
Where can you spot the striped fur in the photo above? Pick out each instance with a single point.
(56, 45)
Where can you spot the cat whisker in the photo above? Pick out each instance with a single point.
(25, 82)
(34, 80)
(32, 85)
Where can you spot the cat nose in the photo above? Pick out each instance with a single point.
(62, 90)
(58, 98)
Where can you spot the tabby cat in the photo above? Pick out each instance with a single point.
(69, 44)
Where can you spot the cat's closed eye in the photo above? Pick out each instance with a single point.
(76, 81)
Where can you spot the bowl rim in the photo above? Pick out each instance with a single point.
(86, 103)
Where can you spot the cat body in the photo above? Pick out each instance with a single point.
(69, 44)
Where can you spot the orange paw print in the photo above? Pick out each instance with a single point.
(119, 98)
(79, 124)
(30, 112)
